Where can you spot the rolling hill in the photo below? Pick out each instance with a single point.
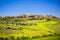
(29, 27)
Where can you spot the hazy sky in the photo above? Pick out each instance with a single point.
(16, 7)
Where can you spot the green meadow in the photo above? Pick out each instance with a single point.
(26, 29)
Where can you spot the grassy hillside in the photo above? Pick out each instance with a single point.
(29, 28)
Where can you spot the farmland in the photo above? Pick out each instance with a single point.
(34, 27)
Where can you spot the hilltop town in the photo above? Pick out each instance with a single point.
(31, 17)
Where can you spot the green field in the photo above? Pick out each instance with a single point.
(29, 29)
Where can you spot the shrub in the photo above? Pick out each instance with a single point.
(44, 35)
(7, 39)
(25, 38)
(8, 28)
(50, 34)
(36, 37)
(18, 38)
(0, 28)
(20, 28)
(12, 38)
(35, 24)
(57, 34)
(50, 31)
(1, 38)
(54, 33)
(48, 19)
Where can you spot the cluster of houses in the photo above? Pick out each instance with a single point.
(30, 16)
(33, 17)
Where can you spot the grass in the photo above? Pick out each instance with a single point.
(47, 38)
(42, 28)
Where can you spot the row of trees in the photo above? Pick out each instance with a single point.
(23, 37)
(11, 28)
(13, 38)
